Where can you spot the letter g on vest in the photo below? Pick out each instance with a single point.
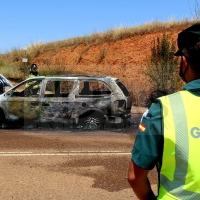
(195, 132)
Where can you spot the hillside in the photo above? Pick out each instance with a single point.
(125, 58)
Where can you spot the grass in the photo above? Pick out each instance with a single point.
(12, 67)
(102, 54)
(115, 34)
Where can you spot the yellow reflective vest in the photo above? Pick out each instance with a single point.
(31, 75)
(180, 170)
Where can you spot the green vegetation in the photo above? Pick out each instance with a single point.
(162, 66)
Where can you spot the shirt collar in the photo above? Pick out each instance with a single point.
(193, 85)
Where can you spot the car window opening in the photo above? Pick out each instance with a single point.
(58, 88)
(93, 88)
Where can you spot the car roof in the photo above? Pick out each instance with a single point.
(77, 76)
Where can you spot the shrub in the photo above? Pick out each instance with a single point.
(1, 63)
(163, 65)
(102, 54)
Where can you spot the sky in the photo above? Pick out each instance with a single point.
(27, 22)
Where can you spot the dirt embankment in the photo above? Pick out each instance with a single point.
(125, 59)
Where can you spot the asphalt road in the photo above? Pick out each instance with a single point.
(66, 164)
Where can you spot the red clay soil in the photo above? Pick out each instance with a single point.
(125, 59)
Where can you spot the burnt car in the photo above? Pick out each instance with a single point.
(82, 100)
(4, 83)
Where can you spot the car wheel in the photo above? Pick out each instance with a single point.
(92, 121)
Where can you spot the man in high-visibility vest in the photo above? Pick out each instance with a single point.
(169, 134)
(33, 73)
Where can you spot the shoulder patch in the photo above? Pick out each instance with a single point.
(142, 127)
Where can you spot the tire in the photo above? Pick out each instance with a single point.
(2, 118)
(91, 121)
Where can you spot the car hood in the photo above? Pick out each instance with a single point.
(4, 82)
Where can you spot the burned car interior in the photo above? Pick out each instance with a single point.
(93, 88)
(58, 88)
(86, 88)
(28, 89)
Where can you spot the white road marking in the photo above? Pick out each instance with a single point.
(70, 153)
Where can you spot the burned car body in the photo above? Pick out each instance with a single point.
(4, 83)
(67, 99)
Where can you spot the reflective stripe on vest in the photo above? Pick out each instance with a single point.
(180, 171)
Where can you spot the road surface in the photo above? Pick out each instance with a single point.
(66, 164)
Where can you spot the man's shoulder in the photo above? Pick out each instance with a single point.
(173, 95)
(34, 73)
(154, 109)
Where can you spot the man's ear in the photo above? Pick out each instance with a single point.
(184, 63)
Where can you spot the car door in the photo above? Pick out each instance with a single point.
(22, 102)
(93, 95)
(56, 102)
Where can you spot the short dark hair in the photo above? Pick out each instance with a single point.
(192, 55)
(34, 66)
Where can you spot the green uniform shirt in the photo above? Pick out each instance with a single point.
(148, 148)
(33, 73)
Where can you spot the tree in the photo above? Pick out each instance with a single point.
(196, 11)
(162, 66)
